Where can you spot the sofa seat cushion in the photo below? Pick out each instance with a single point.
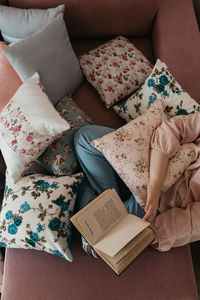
(88, 100)
(153, 275)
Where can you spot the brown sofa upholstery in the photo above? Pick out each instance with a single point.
(160, 29)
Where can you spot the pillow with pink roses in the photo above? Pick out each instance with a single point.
(128, 151)
(115, 69)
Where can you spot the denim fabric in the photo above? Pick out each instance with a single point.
(99, 174)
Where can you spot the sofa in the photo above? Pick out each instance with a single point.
(167, 30)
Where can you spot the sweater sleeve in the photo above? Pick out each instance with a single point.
(168, 137)
(177, 226)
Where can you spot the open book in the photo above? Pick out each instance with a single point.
(117, 237)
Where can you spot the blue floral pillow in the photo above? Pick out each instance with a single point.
(36, 211)
(159, 85)
(60, 157)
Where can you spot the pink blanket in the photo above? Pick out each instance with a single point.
(179, 219)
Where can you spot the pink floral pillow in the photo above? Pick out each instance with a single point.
(115, 69)
(29, 123)
(128, 151)
(128, 148)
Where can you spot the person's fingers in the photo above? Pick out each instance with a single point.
(148, 203)
(150, 215)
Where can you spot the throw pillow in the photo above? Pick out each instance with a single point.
(115, 69)
(9, 80)
(60, 157)
(17, 23)
(29, 123)
(128, 149)
(48, 52)
(36, 211)
(159, 85)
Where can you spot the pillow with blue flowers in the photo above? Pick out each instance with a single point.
(159, 85)
(60, 157)
(36, 211)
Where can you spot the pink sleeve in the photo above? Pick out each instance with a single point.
(177, 226)
(168, 137)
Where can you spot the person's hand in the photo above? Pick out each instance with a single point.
(153, 196)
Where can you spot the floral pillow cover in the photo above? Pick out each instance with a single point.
(159, 85)
(36, 211)
(128, 151)
(115, 69)
(60, 157)
(25, 133)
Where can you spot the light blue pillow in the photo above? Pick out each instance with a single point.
(17, 23)
(48, 52)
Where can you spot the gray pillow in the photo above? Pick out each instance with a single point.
(49, 52)
(17, 23)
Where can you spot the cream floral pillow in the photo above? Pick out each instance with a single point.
(128, 151)
(115, 69)
(36, 211)
(29, 123)
(128, 148)
(159, 85)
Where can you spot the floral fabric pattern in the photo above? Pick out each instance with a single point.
(25, 133)
(36, 211)
(159, 85)
(20, 135)
(115, 69)
(128, 148)
(60, 157)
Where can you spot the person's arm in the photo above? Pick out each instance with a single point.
(165, 143)
(158, 170)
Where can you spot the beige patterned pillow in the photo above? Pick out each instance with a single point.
(128, 151)
(128, 148)
(115, 69)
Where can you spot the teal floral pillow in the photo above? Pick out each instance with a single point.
(60, 158)
(36, 211)
(159, 85)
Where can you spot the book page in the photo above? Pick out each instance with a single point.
(121, 234)
(101, 216)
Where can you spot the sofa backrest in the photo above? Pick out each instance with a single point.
(92, 18)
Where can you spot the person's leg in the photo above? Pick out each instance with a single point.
(100, 175)
(133, 207)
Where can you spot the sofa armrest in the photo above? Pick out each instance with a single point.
(176, 41)
(196, 4)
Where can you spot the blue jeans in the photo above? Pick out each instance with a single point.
(99, 174)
